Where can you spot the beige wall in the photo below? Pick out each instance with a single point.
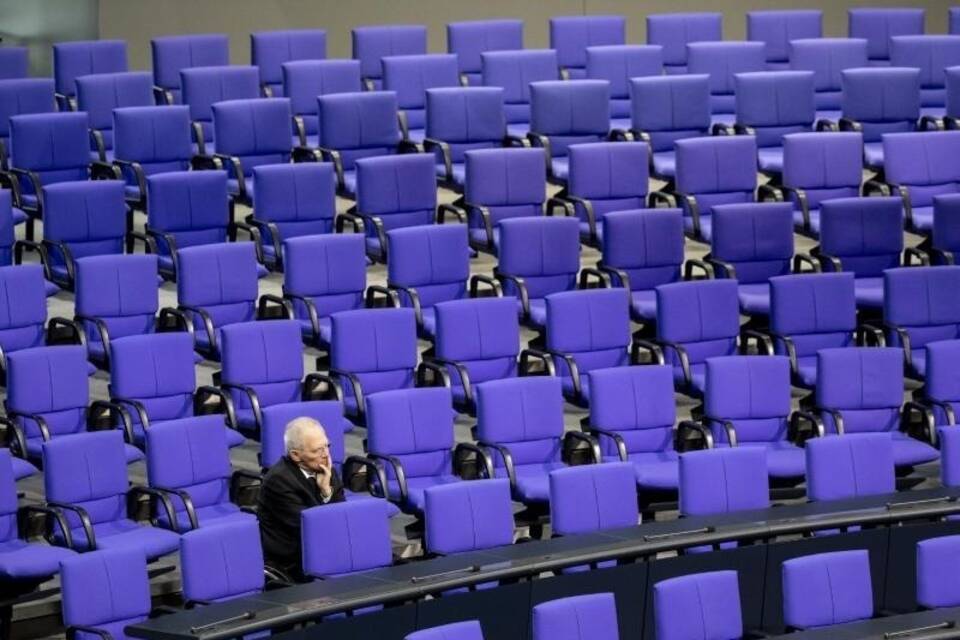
(140, 20)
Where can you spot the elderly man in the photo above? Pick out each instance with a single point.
(303, 478)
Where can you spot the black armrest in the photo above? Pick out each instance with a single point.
(113, 411)
(357, 392)
(254, 234)
(389, 295)
(161, 239)
(37, 419)
(376, 477)
(707, 268)
(268, 299)
(572, 369)
(618, 277)
(74, 630)
(743, 130)
(720, 129)
(506, 458)
(540, 140)
(57, 327)
(487, 219)
(102, 330)
(204, 393)
(252, 398)
(865, 332)
(276, 238)
(759, 337)
(207, 324)
(656, 352)
(769, 193)
(728, 428)
(657, 198)
(137, 406)
(85, 522)
(398, 473)
(930, 123)
(875, 188)
(722, 269)
(477, 279)
(439, 373)
(64, 250)
(51, 515)
(801, 259)
(163, 497)
(618, 440)
(566, 203)
(41, 250)
(14, 437)
(573, 440)
(835, 415)
(603, 279)
(928, 427)
(621, 135)
(414, 298)
(789, 347)
(162, 96)
(233, 165)
(823, 124)
(312, 314)
(682, 356)
(173, 319)
(829, 263)
(314, 381)
(690, 204)
(463, 452)
(457, 212)
(915, 253)
(34, 179)
(685, 429)
(515, 141)
(432, 145)
(464, 375)
(946, 407)
(298, 124)
(378, 227)
(846, 124)
(814, 429)
(242, 480)
(521, 286)
(196, 132)
(544, 357)
(904, 338)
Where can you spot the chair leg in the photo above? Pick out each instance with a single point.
(6, 622)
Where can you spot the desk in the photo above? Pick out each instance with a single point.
(927, 621)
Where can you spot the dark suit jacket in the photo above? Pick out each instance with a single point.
(284, 494)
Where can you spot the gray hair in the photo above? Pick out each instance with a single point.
(296, 430)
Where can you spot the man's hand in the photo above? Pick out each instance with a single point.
(324, 476)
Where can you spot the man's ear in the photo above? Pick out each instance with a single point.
(294, 455)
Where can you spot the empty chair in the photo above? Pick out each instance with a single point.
(877, 102)
(722, 61)
(665, 110)
(771, 105)
(97, 511)
(189, 459)
(944, 244)
(469, 39)
(878, 25)
(221, 563)
(460, 120)
(863, 236)
(216, 286)
(148, 141)
(250, 133)
(593, 497)
(104, 592)
(918, 308)
(21, 96)
(747, 404)
(372, 44)
(154, 378)
(409, 77)
(340, 131)
(605, 177)
(513, 71)
(810, 312)
(591, 616)
(571, 35)
(698, 605)
(8, 244)
(15, 62)
(932, 55)
(291, 200)
(752, 243)
(393, 192)
(171, 54)
(345, 538)
(201, 87)
(673, 31)
(305, 80)
(826, 589)
(712, 171)
(98, 95)
(520, 426)
(852, 466)
(48, 398)
(270, 50)
(469, 630)
(643, 249)
(564, 113)
(617, 64)
(860, 390)
(918, 183)
(323, 275)
(538, 256)
(81, 219)
(587, 329)
(46, 148)
(185, 209)
(695, 321)
(940, 393)
(372, 350)
(936, 566)
(81, 58)
(818, 167)
(410, 432)
(468, 516)
(828, 58)
(777, 28)
(723, 480)
(501, 184)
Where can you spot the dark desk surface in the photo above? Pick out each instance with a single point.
(880, 627)
(417, 579)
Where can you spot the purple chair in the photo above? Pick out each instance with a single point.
(171, 54)
(771, 105)
(570, 36)
(818, 167)
(98, 95)
(468, 516)
(944, 243)
(860, 390)
(21, 96)
(752, 243)
(705, 605)
(724, 480)
(941, 394)
(877, 102)
(666, 110)
(202, 87)
(713, 171)
(849, 466)
(513, 71)
(593, 497)
(15, 62)
(722, 61)
(104, 592)
(827, 589)
(469, 630)
(270, 50)
(592, 617)
(777, 28)
(222, 563)
(618, 64)
(468, 40)
(305, 80)
(501, 184)
(863, 236)
(82, 58)
(936, 567)
(932, 55)
(953, 15)
(409, 77)
(877, 26)
(372, 44)
(345, 538)
(828, 58)
(565, 113)
(918, 183)
(674, 31)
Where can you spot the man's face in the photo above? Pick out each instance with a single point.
(315, 452)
